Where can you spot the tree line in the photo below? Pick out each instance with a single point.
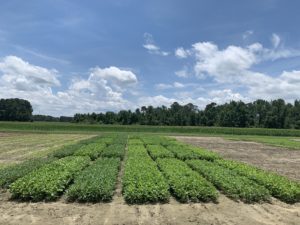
(259, 113)
(15, 109)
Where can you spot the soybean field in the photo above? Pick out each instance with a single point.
(121, 171)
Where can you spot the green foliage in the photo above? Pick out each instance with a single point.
(11, 173)
(279, 186)
(49, 181)
(153, 140)
(137, 151)
(15, 109)
(92, 150)
(135, 142)
(142, 181)
(87, 128)
(158, 151)
(114, 150)
(186, 184)
(230, 183)
(69, 150)
(185, 151)
(95, 183)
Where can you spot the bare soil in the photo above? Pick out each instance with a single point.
(280, 160)
(118, 212)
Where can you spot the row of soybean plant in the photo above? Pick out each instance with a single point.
(47, 179)
(146, 180)
(235, 179)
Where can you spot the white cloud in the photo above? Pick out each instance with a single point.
(247, 34)
(158, 100)
(22, 75)
(233, 66)
(102, 90)
(275, 40)
(182, 73)
(176, 85)
(222, 64)
(152, 47)
(182, 53)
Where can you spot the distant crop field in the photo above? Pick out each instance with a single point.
(95, 128)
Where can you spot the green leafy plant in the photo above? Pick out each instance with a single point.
(68, 150)
(158, 151)
(92, 150)
(186, 185)
(142, 181)
(95, 183)
(49, 181)
(11, 173)
(230, 183)
(279, 186)
(114, 150)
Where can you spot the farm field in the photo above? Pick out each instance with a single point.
(126, 178)
(17, 147)
(60, 127)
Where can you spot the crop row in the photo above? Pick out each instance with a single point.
(93, 150)
(229, 182)
(11, 173)
(96, 182)
(49, 181)
(142, 181)
(69, 150)
(185, 184)
(114, 151)
(185, 152)
(279, 186)
(158, 151)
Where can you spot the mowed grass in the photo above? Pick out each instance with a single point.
(17, 147)
(286, 142)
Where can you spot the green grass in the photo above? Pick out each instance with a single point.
(87, 128)
(286, 142)
(17, 147)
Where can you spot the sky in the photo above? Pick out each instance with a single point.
(73, 56)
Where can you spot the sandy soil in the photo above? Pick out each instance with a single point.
(118, 212)
(283, 161)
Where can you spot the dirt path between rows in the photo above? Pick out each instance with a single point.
(283, 161)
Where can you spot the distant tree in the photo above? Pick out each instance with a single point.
(15, 109)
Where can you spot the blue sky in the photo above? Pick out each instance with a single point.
(84, 56)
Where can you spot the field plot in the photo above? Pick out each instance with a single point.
(144, 179)
(277, 159)
(17, 147)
